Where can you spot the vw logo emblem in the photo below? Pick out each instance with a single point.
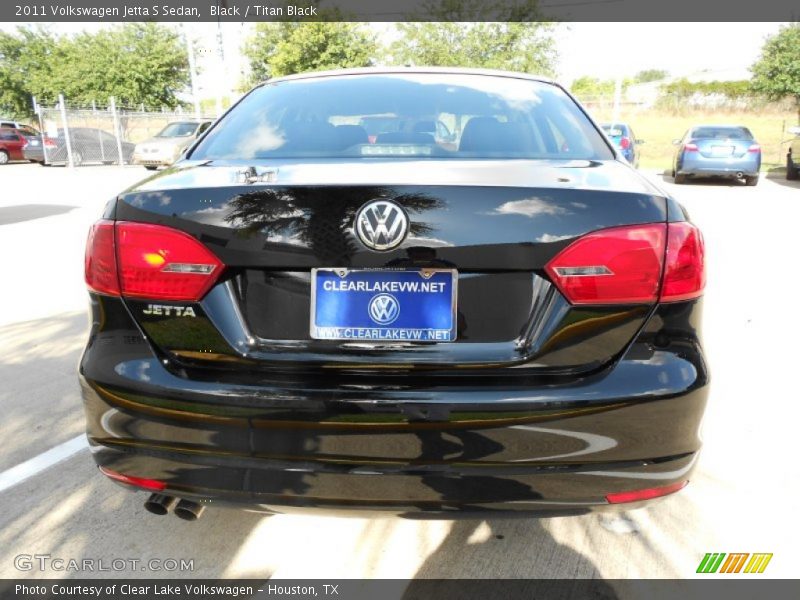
(384, 309)
(381, 225)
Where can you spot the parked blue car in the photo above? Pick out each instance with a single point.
(717, 151)
(622, 136)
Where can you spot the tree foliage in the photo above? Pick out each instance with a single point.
(137, 63)
(776, 74)
(518, 40)
(648, 75)
(285, 48)
(683, 88)
(587, 87)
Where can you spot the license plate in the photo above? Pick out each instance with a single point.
(721, 150)
(384, 305)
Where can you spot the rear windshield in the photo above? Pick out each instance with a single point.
(405, 116)
(178, 130)
(725, 133)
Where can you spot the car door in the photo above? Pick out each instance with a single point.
(12, 143)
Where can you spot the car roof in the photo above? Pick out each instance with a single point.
(414, 70)
(720, 126)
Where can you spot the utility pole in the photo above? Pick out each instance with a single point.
(192, 70)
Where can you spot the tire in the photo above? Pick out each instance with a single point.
(751, 181)
(150, 168)
(679, 179)
(672, 174)
(792, 170)
(3, 157)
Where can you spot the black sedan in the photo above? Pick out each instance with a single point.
(87, 144)
(302, 314)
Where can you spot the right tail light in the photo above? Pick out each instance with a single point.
(638, 264)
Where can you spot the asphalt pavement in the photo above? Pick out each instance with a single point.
(744, 496)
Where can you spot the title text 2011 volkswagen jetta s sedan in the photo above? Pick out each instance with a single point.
(474, 306)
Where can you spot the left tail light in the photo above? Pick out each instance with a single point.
(140, 260)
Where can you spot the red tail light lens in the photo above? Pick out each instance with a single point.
(684, 272)
(690, 147)
(612, 266)
(646, 494)
(624, 265)
(158, 262)
(50, 143)
(138, 260)
(100, 262)
(755, 148)
(625, 143)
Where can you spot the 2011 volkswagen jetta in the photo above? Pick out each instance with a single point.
(476, 306)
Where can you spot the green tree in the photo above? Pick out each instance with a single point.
(587, 87)
(285, 48)
(28, 60)
(776, 74)
(137, 63)
(463, 36)
(648, 75)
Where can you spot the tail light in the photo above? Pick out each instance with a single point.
(637, 264)
(139, 260)
(100, 262)
(755, 148)
(625, 143)
(690, 147)
(48, 143)
(684, 272)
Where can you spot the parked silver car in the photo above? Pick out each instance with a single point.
(167, 145)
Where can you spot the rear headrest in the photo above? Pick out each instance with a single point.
(487, 134)
(350, 135)
(425, 127)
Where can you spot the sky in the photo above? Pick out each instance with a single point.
(604, 50)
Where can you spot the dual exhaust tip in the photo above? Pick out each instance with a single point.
(161, 504)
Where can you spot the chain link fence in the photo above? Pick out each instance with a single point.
(78, 136)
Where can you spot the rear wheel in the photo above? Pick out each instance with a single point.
(792, 170)
(679, 179)
(150, 168)
(3, 157)
(751, 180)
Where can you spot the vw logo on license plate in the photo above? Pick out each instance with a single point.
(384, 309)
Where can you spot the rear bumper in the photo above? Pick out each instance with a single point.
(151, 162)
(425, 445)
(720, 167)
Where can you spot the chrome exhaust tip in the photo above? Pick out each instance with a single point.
(159, 504)
(188, 510)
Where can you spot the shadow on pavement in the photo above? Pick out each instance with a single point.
(28, 212)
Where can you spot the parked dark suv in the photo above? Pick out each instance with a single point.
(297, 316)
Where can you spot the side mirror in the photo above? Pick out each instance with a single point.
(676, 142)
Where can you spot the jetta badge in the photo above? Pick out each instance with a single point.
(381, 225)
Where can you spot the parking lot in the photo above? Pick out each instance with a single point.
(744, 497)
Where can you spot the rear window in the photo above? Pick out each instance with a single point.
(725, 133)
(178, 130)
(405, 116)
